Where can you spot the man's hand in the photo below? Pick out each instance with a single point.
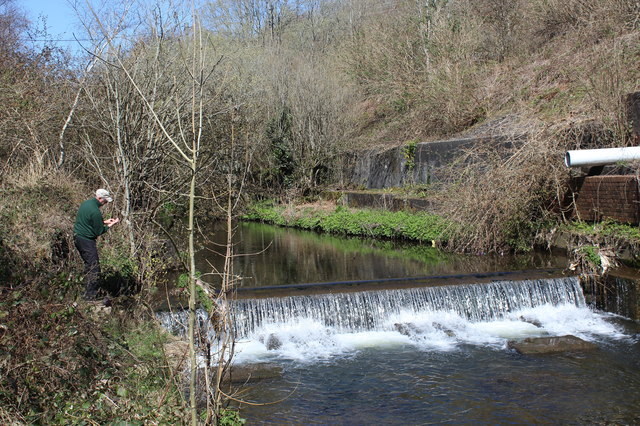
(111, 222)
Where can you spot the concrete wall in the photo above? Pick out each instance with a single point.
(633, 115)
(391, 169)
(379, 169)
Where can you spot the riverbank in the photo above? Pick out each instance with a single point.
(330, 217)
(67, 362)
(63, 360)
(589, 242)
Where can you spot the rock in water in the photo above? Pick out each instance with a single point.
(444, 329)
(545, 345)
(273, 342)
(408, 329)
(531, 321)
(252, 372)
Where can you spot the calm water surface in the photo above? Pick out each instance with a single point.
(269, 255)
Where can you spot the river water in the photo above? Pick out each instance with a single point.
(269, 255)
(389, 354)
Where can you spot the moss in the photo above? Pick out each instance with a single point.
(409, 153)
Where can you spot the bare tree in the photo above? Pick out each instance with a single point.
(33, 91)
(174, 80)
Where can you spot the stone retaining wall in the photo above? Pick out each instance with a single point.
(424, 163)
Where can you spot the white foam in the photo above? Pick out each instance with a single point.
(247, 350)
(496, 331)
(307, 340)
(371, 339)
(569, 319)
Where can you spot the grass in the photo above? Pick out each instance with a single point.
(606, 229)
(420, 227)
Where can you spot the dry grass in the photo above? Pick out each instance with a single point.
(505, 199)
(319, 205)
(564, 67)
(471, 61)
(38, 209)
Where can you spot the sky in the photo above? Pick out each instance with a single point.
(61, 23)
(61, 19)
(60, 16)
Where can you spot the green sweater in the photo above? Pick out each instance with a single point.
(89, 223)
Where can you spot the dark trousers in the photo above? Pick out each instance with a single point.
(89, 253)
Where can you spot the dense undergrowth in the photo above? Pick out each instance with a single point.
(607, 230)
(65, 364)
(63, 360)
(597, 247)
(68, 363)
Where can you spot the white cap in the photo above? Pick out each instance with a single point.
(103, 193)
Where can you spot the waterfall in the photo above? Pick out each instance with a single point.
(369, 310)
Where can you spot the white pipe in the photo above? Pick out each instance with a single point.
(599, 157)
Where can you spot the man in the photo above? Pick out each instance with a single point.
(88, 227)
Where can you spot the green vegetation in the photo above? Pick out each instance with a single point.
(591, 255)
(604, 230)
(64, 361)
(409, 153)
(424, 253)
(135, 386)
(202, 297)
(89, 367)
(230, 418)
(71, 365)
(604, 238)
(421, 227)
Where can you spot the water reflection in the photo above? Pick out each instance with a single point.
(270, 255)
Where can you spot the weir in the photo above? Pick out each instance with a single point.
(372, 310)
